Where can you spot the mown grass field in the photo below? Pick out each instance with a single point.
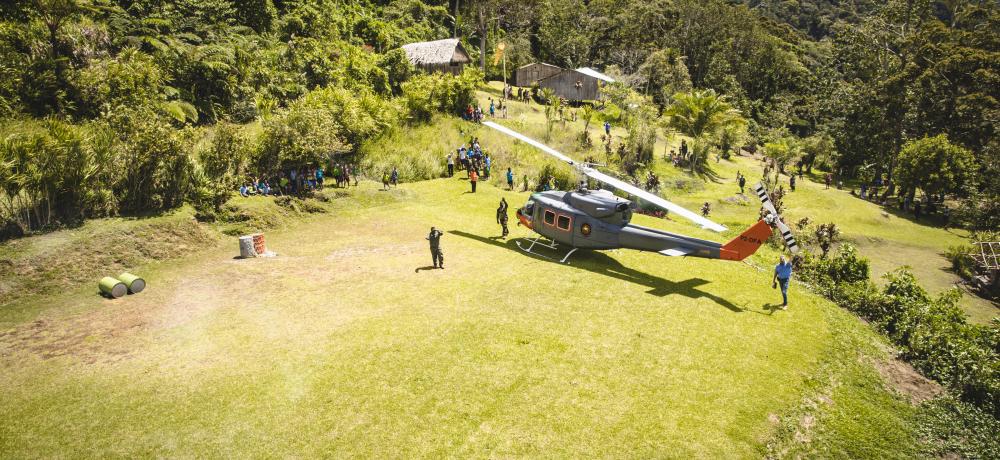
(347, 345)
(889, 239)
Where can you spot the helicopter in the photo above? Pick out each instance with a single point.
(600, 220)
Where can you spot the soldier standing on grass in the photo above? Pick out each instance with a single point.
(502, 217)
(436, 254)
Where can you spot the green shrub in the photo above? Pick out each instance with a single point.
(427, 94)
(129, 79)
(848, 266)
(297, 137)
(560, 178)
(961, 262)
(153, 165)
(955, 427)
(54, 173)
(932, 332)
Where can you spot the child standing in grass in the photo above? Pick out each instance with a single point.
(385, 181)
(473, 178)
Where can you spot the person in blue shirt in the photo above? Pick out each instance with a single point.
(782, 275)
(510, 179)
(607, 128)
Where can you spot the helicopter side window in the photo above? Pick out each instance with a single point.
(564, 222)
(550, 217)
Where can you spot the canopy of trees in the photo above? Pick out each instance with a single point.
(847, 84)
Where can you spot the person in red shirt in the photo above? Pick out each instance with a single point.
(473, 178)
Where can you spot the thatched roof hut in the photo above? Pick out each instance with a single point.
(446, 55)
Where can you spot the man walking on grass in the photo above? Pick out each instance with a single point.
(782, 275)
(436, 254)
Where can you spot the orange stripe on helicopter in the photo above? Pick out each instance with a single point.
(747, 243)
(523, 219)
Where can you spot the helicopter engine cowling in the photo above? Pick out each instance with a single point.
(597, 203)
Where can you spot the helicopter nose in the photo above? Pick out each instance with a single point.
(523, 219)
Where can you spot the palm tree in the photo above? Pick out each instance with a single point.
(702, 116)
(701, 113)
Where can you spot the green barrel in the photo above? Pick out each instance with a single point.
(134, 283)
(112, 287)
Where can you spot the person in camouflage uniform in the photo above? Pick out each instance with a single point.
(502, 216)
(436, 254)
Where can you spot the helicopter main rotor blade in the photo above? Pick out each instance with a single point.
(653, 199)
(611, 181)
(523, 138)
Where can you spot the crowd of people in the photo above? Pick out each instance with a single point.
(295, 181)
(475, 162)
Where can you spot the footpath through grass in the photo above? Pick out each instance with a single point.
(348, 345)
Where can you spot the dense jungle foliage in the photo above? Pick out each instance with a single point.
(101, 100)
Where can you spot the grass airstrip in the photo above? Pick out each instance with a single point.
(349, 344)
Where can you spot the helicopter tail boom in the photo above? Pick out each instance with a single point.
(746, 243)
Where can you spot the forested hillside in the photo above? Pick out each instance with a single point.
(126, 85)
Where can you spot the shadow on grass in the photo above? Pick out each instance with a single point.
(707, 174)
(428, 267)
(600, 263)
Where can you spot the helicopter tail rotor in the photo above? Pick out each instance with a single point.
(773, 218)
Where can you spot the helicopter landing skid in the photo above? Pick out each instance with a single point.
(543, 244)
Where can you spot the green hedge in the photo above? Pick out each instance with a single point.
(932, 331)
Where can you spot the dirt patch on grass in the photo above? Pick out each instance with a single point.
(88, 257)
(107, 334)
(902, 377)
(89, 339)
